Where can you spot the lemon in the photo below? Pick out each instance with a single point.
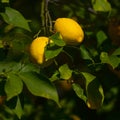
(37, 49)
(70, 30)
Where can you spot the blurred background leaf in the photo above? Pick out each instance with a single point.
(14, 17)
(101, 5)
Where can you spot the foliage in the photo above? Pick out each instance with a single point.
(90, 70)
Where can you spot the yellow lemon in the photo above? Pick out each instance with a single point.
(70, 30)
(37, 49)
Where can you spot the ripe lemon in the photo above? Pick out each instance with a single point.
(37, 49)
(70, 30)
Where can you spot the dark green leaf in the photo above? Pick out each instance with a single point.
(65, 72)
(56, 38)
(14, 17)
(12, 102)
(19, 41)
(88, 77)
(84, 53)
(13, 85)
(52, 52)
(101, 5)
(29, 67)
(95, 95)
(5, 17)
(94, 91)
(39, 85)
(101, 37)
(93, 52)
(2, 83)
(18, 109)
(10, 66)
(79, 91)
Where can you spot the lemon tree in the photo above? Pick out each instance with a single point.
(59, 59)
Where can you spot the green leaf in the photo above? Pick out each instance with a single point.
(104, 57)
(94, 91)
(5, 17)
(101, 5)
(113, 60)
(57, 39)
(29, 67)
(55, 76)
(18, 109)
(101, 37)
(14, 17)
(95, 95)
(88, 77)
(93, 52)
(65, 72)
(52, 51)
(19, 41)
(5, 1)
(79, 91)
(39, 85)
(116, 52)
(10, 66)
(13, 86)
(84, 53)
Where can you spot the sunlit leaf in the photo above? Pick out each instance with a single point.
(65, 72)
(88, 77)
(5, 1)
(14, 17)
(13, 86)
(116, 52)
(39, 85)
(52, 52)
(113, 59)
(101, 5)
(101, 37)
(79, 91)
(55, 76)
(56, 38)
(104, 57)
(18, 109)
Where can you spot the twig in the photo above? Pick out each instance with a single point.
(45, 16)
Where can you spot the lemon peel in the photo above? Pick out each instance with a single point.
(37, 49)
(70, 30)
